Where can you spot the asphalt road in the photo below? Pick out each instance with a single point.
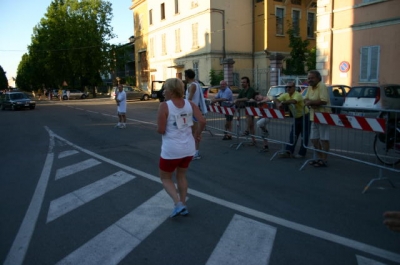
(76, 190)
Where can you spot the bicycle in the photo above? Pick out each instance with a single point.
(387, 145)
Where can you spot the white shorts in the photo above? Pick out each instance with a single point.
(263, 122)
(319, 131)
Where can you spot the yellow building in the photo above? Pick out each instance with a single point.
(242, 38)
(358, 41)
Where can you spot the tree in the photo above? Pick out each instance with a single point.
(312, 59)
(216, 77)
(299, 55)
(3, 79)
(70, 44)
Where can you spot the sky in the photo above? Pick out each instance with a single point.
(19, 17)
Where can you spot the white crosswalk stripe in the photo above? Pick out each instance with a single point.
(72, 169)
(113, 244)
(67, 153)
(364, 261)
(73, 200)
(245, 241)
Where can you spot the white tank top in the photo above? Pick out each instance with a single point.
(178, 141)
(196, 96)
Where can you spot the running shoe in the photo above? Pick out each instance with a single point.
(179, 207)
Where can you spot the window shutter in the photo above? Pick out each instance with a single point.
(374, 52)
(364, 65)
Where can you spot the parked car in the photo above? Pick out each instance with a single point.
(374, 97)
(74, 94)
(276, 91)
(337, 95)
(132, 93)
(16, 100)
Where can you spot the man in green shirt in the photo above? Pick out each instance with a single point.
(245, 95)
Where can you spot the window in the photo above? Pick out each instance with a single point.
(279, 14)
(259, 1)
(177, 40)
(162, 11)
(176, 6)
(296, 2)
(195, 37)
(296, 22)
(196, 69)
(310, 25)
(151, 16)
(369, 64)
(151, 44)
(163, 44)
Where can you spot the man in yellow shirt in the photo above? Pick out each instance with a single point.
(296, 107)
(316, 97)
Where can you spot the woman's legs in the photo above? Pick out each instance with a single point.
(169, 185)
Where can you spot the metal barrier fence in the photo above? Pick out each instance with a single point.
(270, 125)
(359, 135)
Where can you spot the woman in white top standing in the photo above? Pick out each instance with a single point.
(175, 119)
(120, 98)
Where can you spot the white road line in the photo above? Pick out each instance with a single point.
(72, 169)
(73, 200)
(67, 153)
(118, 240)
(91, 111)
(245, 241)
(21, 242)
(364, 261)
(267, 217)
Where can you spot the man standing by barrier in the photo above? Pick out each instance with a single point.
(225, 99)
(195, 94)
(245, 95)
(296, 107)
(316, 97)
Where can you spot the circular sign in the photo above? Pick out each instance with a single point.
(344, 67)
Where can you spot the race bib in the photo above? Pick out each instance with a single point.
(184, 120)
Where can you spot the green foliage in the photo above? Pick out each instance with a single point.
(69, 44)
(216, 77)
(312, 59)
(3, 79)
(295, 65)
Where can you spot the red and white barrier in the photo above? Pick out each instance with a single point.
(354, 122)
(265, 113)
(222, 110)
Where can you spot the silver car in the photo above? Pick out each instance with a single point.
(374, 97)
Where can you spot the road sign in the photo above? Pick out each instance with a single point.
(344, 67)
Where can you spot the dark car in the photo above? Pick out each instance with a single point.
(157, 90)
(16, 100)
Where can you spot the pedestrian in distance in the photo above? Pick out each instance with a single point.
(225, 99)
(295, 102)
(245, 94)
(195, 94)
(120, 99)
(316, 97)
(174, 123)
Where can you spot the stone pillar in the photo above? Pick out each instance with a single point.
(228, 70)
(324, 39)
(275, 66)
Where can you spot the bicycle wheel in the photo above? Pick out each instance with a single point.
(388, 156)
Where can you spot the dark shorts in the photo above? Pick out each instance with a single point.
(169, 165)
(229, 117)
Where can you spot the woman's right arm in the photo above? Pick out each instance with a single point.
(162, 118)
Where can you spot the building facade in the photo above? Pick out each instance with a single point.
(358, 40)
(238, 37)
